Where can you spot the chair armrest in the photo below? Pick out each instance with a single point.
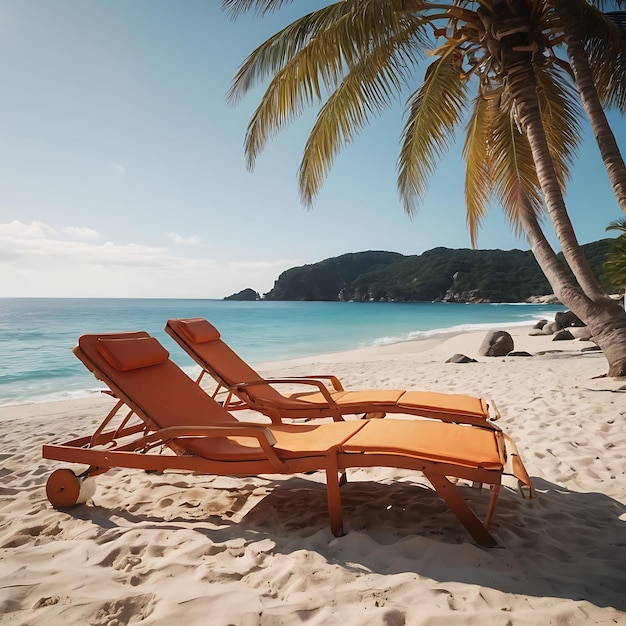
(322, 388)
(334, 381)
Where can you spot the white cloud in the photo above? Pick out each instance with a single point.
(36, 261)
(179, 239)
(19, 230)
(82, 233)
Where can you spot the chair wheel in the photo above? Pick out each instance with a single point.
(63, 488)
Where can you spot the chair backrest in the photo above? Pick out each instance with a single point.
(203, 343)
(137, 368)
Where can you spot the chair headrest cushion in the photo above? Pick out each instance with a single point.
(199, 330)
(133, 353)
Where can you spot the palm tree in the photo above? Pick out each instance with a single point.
(355, 56)
(615, 265)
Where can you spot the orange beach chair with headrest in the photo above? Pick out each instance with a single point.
(170, 423)
(247, 389)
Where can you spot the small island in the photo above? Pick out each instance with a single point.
(246, 295)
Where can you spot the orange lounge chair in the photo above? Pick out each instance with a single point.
(202, 342)
(173, 424)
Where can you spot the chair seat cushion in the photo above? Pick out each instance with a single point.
(432, 441)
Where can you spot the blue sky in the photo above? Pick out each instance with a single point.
(122, 171)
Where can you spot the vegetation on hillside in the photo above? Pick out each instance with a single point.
(440, 274)
(615, 266)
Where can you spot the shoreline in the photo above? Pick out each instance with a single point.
(82, 385)
(24, 409)
(153, 548)
(439, 346)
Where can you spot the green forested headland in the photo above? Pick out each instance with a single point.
(441, 274)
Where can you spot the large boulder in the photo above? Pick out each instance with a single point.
(461, 358)
(550, 328)
(549, 299)
(562, 335)
(566, 318)
(496, 343)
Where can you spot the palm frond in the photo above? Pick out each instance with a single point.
(606, 46)
(561, 116)
(348, 29)
(309, 59)
(514, 176)
(273, 55)
(261, 7)
(477, 155)
(619, 225)
(308, 71)
(369, 88)
(619, 19)
(434, 111)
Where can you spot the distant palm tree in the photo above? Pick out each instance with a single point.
(615, 265)
(356, 56)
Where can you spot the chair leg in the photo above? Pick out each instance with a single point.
(448, 493)
(495, 493)
(332, 492)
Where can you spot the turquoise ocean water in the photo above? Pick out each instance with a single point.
(37, 334)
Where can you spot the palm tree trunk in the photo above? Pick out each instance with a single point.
(567, 292)
(605, 318)
(609, 150)
(523, 87)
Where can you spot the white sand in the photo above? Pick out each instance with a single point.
(153, 549)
